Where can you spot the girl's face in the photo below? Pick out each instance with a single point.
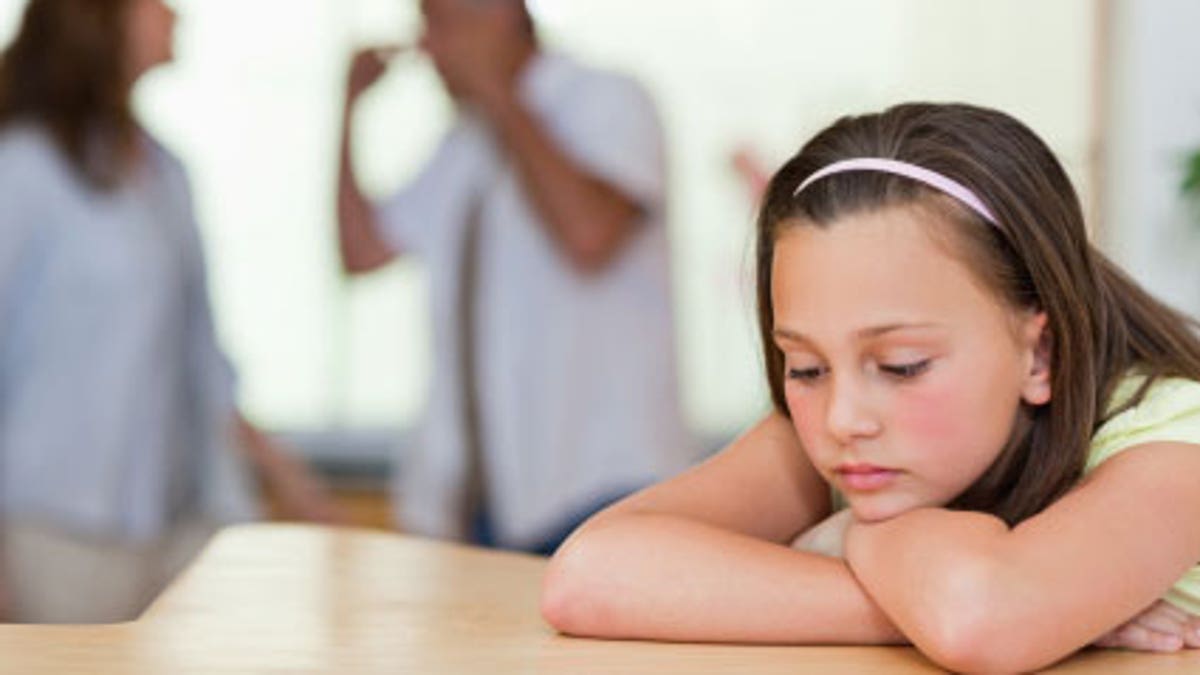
(150, 35)
(903, 374)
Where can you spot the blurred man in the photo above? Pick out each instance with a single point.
(540, 220)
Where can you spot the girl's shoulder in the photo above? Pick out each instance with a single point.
(1169, 411)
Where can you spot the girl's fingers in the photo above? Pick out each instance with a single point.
(1138, 637)
(1191, 636)
(1167, 609)
(1164, 618)
(1107, 641)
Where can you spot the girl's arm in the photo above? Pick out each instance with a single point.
(704, 557)
(974, 595)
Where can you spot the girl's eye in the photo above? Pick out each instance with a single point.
(804, 374)
(905, 370)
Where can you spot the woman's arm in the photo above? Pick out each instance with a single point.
(4, 601)
(299, 493)
(704, 557)
(15, 228)
(975, 595)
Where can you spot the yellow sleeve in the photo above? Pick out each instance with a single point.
(1169, 412)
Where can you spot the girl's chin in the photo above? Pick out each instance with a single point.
(878, 511)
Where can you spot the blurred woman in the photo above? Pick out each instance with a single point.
(118, 425)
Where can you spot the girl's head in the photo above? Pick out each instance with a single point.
(932, 351)
(71, 68)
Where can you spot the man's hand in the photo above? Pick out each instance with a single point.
(366, 67)
(1162, 627)
(480, 60)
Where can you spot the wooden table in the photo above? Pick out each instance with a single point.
(285, 598)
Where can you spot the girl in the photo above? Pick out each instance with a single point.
(117, 418)
(1013, 423)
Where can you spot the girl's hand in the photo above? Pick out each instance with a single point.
(1162, 627)
(827, 537)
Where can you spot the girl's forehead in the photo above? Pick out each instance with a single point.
(895, 244)
(872, 267)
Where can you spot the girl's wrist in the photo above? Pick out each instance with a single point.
(862, 537)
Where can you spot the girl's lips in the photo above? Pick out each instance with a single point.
(865, 477)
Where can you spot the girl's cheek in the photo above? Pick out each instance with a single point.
(806, 418)
(932, 416)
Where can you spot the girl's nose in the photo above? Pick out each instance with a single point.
(850, 415)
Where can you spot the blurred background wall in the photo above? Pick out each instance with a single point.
(1152, 125)
(252, 107)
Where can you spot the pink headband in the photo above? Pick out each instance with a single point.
(931, 178)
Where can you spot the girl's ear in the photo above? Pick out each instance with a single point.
(1039, 343)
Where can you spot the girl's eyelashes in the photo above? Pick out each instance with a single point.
(905, 371)
(900, 371)
(804, 374)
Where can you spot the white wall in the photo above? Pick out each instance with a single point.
(253, 102)
(1154, 123)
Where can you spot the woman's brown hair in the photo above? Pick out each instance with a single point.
(1100, 322)
(66, 71)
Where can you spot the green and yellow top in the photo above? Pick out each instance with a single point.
(1169, 412)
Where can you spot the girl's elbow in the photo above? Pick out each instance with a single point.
(556, 601)
(986, 654)
(952, 625)
(952, 637)
(963, 649)
(571, 601)
(982, 646)
(972, 630)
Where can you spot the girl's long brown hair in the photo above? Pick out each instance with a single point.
(1101, 322)
(66, 72)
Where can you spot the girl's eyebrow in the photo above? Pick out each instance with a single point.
(785, 335)
(788, 335)
(876, 331)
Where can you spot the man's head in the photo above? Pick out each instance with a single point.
(452, 25)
